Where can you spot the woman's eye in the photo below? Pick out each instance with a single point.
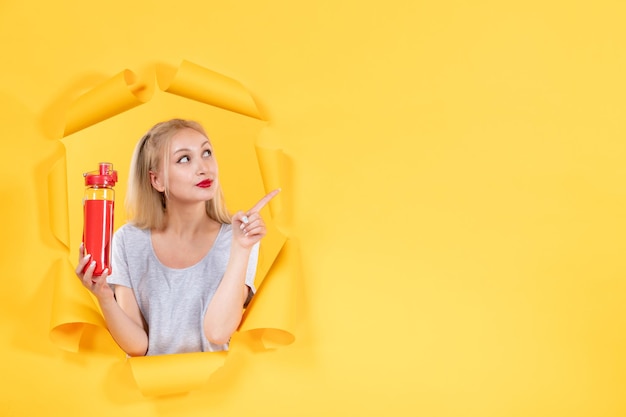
(207, 152)
(183, 159)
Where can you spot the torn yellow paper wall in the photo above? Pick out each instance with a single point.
(104, 124)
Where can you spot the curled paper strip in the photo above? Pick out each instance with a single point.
(273, 172)
(103, 113)
(67, 325)
(57, 201)
(206, 86)
(106, 100)
(273, 320)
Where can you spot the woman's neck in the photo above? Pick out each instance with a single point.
(188, 236)
(188, 221)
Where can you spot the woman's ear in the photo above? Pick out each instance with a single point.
(156, 182)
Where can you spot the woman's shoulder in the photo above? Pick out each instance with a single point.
(226, 228)
(129, 231)
(225, 234)
(130, 239)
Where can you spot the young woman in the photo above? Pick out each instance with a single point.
(182, 267)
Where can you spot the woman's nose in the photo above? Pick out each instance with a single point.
(204, 166)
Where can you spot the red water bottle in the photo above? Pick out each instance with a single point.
(98, 206)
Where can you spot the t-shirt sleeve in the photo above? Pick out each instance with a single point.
(251, 272)
(119, 264)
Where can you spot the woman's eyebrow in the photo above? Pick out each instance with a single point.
(189, 150)
(182, 150)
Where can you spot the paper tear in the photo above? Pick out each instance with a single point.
(273, 166)
(270, 316)
(72, 309)
(57, 201)
(112, 97)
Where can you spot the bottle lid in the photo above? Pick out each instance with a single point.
(105, 176)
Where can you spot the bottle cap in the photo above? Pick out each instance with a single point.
(105, 176)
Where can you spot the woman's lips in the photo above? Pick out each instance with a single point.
(205, 183)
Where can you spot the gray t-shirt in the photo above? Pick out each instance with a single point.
(173, 301)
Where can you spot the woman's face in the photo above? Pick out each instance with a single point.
(191, 169)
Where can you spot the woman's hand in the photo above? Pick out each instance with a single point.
(96, 284)
(249, 227)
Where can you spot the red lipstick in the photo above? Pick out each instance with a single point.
(205, 183)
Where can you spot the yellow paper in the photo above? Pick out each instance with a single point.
(174, 374)
(457, 187)
(57, 201)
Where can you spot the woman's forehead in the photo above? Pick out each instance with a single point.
(186, 138)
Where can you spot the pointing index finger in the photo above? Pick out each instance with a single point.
(262, 202)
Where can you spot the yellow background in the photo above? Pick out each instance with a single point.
(456, 193)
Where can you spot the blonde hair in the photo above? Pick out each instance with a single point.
(146, 206)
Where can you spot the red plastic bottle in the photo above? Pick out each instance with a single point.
(98, 205)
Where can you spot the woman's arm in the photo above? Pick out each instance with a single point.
(125, 321)
(224, 312)
(123, 317)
